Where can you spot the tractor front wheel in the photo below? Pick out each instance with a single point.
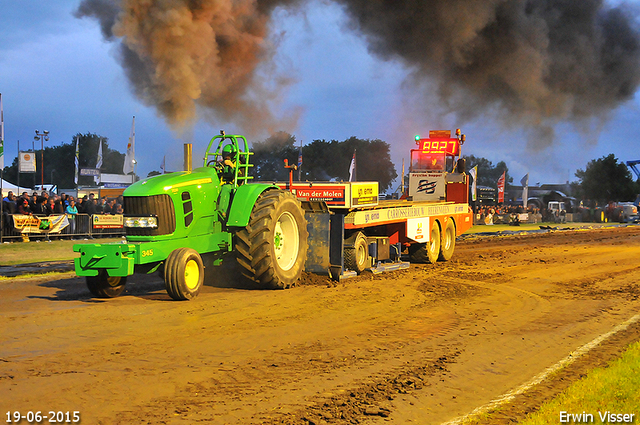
(272, 249)
(105, 286)
(183, 274)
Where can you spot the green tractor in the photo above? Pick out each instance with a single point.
(172, 220)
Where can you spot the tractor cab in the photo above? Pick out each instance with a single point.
(437, 172)
(230, 158)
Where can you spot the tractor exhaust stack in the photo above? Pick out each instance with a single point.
(188, 157)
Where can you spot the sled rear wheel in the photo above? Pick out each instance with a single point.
(356, 252)
(448, 244)
(427, 252)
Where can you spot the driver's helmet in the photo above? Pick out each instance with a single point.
(230, 151)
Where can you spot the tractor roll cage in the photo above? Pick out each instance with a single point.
(242, 155)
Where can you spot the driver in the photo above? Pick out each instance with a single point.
(229, 156)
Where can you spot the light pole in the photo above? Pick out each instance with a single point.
(52, 171)
(42, 137)
(133, 179)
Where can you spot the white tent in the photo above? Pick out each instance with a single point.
(6, 187)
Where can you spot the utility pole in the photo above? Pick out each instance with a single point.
(300, 162)
(42, 137)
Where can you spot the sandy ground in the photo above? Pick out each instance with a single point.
(424, 346)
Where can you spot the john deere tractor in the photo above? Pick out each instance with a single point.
(172, 220)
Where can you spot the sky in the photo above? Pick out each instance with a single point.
(58, 73)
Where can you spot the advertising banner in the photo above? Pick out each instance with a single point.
(90, 172)
(27, 162)
(108, 221)
(427, 186)
(31, 224)
(364, 193)
(329, 194)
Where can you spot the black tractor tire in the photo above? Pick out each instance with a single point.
(272, 249)
(618, 216)
(183, 274)
(356, 252)
(105, 286)
(427, 252)
(448, 243)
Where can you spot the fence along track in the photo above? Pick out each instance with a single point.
(83, 229)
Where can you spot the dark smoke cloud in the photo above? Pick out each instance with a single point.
(181, 53)
(533, 63)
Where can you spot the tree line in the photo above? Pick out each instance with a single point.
(59, 162)
(324, 160)
(604, 179)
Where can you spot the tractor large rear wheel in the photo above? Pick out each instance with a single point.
(105, 286)
(272, 248)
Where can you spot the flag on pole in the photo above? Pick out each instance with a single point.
(130, 157)
(501, 187)
(525, 190)
(162, 164)
(96, 179)
(1, 134)
(352, 168)
(77, 159)
(474, 186)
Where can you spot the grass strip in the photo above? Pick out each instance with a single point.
(36, 251)
(38, 275)
(524, 227)
(613, 390)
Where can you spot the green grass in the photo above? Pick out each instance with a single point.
(33, 252)
(615, 388)
(38, 275)
(482, 228)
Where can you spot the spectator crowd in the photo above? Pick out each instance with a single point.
(508, 214)
(45, 204)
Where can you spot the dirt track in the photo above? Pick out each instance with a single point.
(423, 346)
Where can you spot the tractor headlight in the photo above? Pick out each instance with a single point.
(141, 222)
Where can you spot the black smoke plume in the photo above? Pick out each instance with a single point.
(531, 63)
(535, 63)
(181, 53)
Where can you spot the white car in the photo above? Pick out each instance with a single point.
(629, 213)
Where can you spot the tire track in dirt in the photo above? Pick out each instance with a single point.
(424, 344)
(373, 395)
(530, 400)
(304, 370)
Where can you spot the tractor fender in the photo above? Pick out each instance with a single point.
(243, 201)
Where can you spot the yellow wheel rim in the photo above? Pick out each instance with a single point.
(191, 274)
(113, 280)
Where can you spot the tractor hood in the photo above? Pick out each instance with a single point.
(172, 182)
